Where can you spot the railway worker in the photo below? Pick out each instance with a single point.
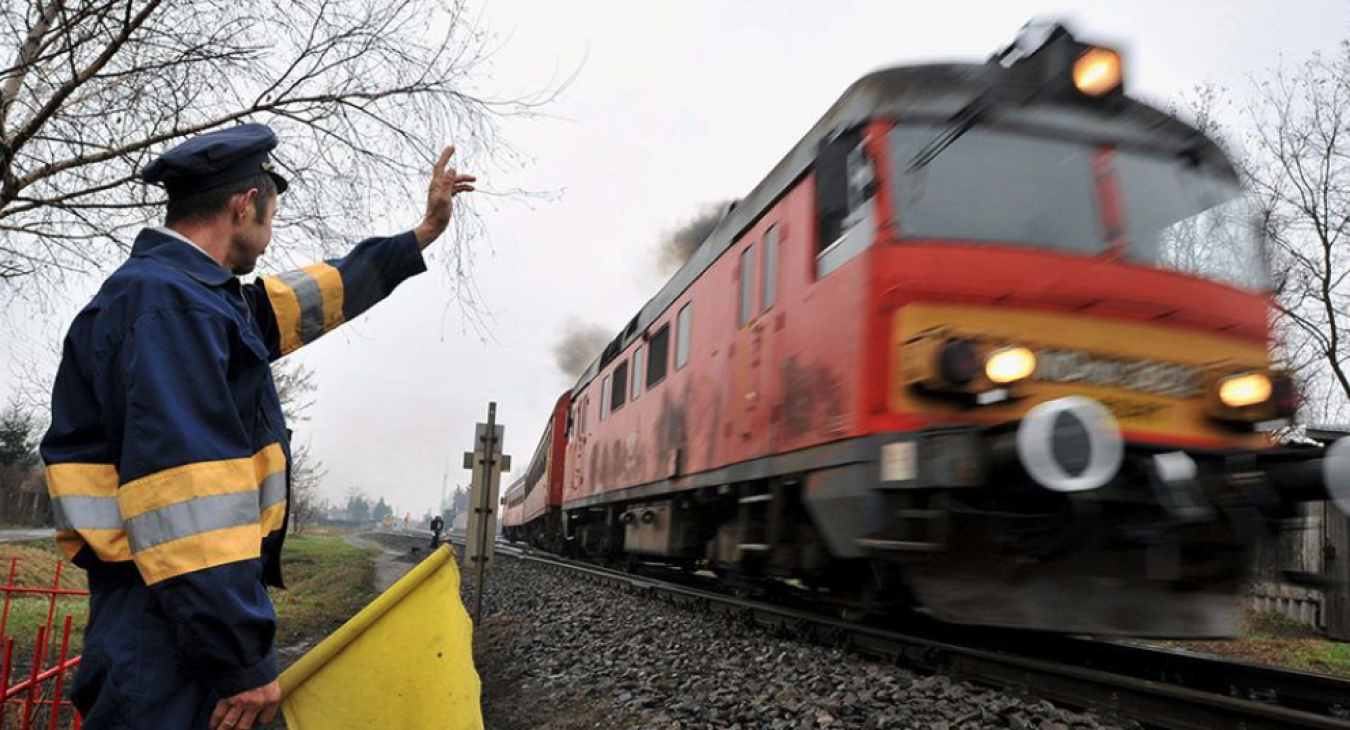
(168, 459)
(437, 524)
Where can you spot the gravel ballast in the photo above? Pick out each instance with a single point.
(557, 652)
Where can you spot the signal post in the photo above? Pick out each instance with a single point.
(487, 462)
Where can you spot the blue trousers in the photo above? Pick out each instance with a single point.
(130, 676)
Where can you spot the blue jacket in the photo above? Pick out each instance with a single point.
(168, 458)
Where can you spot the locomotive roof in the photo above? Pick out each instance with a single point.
(930, 93)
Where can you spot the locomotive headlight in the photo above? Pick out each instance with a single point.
(1244, 389)
(1098, 71)
(1009, 364)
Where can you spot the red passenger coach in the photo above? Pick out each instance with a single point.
(532, 503)
(991, 340)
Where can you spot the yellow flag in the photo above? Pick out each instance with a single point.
(404, 661)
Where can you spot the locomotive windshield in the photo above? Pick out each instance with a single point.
(996, 187)
(1000, 187)
(1181, 217)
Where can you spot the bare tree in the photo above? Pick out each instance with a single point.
(361, 91)
(1299, 173)
(296, 390)
(307, 473)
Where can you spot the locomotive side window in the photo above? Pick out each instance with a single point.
(658, 350)
(616, 398)
(604, 398)
(845, 187)
(639, 359)
(683, 326)
(768, 291)
(747, 297)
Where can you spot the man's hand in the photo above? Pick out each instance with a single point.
(242, 710)
(446, 183)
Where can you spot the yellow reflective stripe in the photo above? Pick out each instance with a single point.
(330, 285)
(202, 479)
(286, 307)
(182, 483)
(267, 462)
(110, 546)
(273, 518)
(82, 480)
(199, 552)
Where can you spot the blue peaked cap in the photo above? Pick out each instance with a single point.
(214, 159)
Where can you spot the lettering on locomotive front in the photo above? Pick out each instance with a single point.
(1149, 376)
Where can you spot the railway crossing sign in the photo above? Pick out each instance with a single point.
(487, 462)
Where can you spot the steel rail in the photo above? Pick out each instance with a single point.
(1177, 691)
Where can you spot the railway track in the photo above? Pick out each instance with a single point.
(1156, 687)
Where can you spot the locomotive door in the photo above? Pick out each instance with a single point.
(755, 350)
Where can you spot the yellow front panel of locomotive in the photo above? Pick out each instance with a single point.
(1140, 413)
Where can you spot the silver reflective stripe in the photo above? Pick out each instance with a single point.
(310, 296)
(192, 517)
(272, 490)
(86, 513)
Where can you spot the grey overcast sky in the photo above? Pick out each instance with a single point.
(675, 104)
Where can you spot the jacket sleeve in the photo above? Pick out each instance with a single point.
(189, 495)
(295, 308)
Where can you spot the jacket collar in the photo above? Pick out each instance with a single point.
(170, 251)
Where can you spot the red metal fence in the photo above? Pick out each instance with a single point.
(36, 698)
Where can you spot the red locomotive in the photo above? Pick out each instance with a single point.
(991, 340)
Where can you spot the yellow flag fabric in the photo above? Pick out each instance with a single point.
(404, 661)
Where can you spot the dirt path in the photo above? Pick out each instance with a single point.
(390, 565)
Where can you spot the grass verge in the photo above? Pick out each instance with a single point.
(1273, 639)
(328, 582)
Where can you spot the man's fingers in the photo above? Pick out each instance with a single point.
(247, 718)
(444, 160)
(231, 718)
(218, 714)
(462, 179)
(464, 188)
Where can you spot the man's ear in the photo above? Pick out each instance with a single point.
(242, 205)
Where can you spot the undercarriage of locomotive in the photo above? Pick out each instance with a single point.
(993, 527)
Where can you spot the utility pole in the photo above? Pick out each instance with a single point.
(487, 463)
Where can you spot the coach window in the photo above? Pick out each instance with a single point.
(658, 352)
(604, 398)
(768, 287)
(747, 286)
(616, 398)
(638, 356)
(683, 324)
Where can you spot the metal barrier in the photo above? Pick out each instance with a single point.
(31, 703)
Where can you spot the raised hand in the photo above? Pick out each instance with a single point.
(446, 183)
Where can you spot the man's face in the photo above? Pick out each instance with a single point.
(249, 234)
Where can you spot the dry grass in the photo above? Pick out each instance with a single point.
(36, 568)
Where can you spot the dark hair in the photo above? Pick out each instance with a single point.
(207, 203)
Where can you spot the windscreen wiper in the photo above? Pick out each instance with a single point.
(961, 122)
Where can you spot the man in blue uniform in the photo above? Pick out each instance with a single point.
(168, 458)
